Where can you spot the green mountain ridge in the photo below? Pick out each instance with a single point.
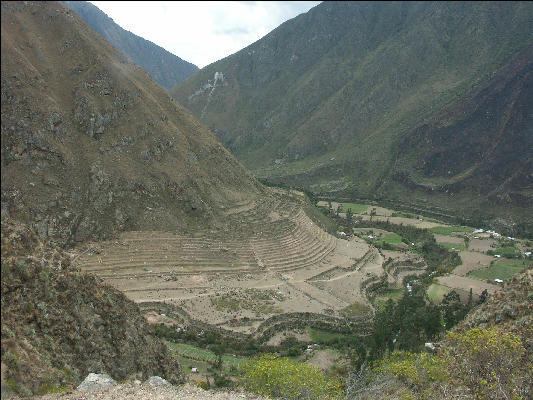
(327, 101)
(164, 67)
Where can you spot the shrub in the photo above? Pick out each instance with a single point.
(287, 379)
(203, 385)
(418, 371)
(489, 363)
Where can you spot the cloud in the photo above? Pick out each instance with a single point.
(202, 32)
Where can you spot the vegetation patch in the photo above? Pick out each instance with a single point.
(450, 230)
(325, 337)
(498, 270)
(355, 207)
(392, 238)
(282, 377)
(506, 251)
(453, 246)
(260, 302)
(205, 355)
(355, 309)
(436, 292)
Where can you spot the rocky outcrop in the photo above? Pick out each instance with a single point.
(58, 324)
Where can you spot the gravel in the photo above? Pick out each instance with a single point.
(137, 391)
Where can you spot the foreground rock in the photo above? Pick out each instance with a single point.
(96, 381)
(133, 391)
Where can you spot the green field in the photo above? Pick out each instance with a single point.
(189, 351)
(456, 246)
(507, 251)
(394, 294)
(436, 292)
(325, 337)
(355, 309)
(356, 208)
(498, 270)
(449, 230)
(392, 238)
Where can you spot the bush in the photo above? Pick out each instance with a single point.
(418, 371)
(489, 363)
(203, 385)
(287, 379)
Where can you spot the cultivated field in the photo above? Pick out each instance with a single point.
(271, 259)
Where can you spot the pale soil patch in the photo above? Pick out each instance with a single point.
(402, 256)
(384, 212)
(334, 204)
(247, 206)
(481, 245)
(448, 239)
(472, 261)
(324, 359)
(371, 231)
(281, 336)
(465, 283)
(154, 318)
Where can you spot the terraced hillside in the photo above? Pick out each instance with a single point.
(269, 259)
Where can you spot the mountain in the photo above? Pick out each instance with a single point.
(91, 145)
(59, 324)
(164, 67)
(423, 103)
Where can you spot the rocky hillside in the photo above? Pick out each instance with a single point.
(164, 67)
(91, 145)
(510, 309)
(59, 324)
(423, 102)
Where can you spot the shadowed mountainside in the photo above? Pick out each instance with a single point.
(337, 99)
(91, 145)
(164, 67)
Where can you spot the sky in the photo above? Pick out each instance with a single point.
(202, 32)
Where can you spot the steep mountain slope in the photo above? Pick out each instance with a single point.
(332, 99)
(59, 324)
(164, 67)
(91, 145)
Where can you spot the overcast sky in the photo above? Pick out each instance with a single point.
(202, 32)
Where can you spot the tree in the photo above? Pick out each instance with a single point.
(483, 297)
(349, 214)
(384, 330)
(453, 310)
